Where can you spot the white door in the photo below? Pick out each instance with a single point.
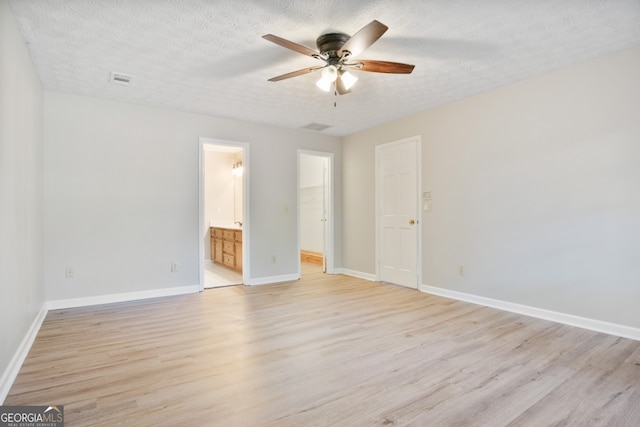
(397, 166)
(325, 214)
(314, 205)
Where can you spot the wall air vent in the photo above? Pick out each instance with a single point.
(120, 78)
(316, 126)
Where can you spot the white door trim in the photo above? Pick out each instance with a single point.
(329, 226)
(246, 262)
(378, 203)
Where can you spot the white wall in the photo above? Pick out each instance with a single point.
(535, 191)
(219, 192)
(238, 190)
(219, 186)
(21, 282)
(121, 195)
(311, 202)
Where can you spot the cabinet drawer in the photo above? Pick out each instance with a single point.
(227, 234)
(229, 248)
(229, 260)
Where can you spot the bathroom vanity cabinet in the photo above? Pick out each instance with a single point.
(226, 247)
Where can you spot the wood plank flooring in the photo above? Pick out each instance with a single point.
(325, 351)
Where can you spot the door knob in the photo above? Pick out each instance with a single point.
(411, 221)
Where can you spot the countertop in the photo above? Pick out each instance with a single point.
(227, 225)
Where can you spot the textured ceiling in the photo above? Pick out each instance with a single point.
(208, 56)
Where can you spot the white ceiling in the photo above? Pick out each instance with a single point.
(208, 56)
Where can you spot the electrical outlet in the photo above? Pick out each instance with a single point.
(68, 273)
(461, 270)
(174, 267)
(273, 259)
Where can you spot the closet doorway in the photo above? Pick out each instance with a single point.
(223, 223)
(315, 207)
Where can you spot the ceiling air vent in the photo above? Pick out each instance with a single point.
(316, 126)
(120, 78)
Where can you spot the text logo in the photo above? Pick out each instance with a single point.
(32, 416)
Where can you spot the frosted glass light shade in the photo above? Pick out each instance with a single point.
(323, 84)
(348, 79)
(329, 75)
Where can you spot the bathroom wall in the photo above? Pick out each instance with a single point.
(218, 192)
(238, 193)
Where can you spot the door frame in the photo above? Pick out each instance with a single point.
(378, 203)
(329, 258)
(246, 262)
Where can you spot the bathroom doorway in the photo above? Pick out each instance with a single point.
(223, 224)
(315, 221)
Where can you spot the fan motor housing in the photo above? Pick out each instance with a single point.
(332, 42)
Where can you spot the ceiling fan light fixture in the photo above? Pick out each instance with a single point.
(348, 79)
(323, 84)
(329, 75)
(336, 50)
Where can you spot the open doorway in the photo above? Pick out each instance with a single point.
(223, 237)
(315, 222)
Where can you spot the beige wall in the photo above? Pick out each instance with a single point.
(121, 195)
(21, 281)
(535, 191)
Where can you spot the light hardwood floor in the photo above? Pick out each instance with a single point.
(216, 275)
(325, 351)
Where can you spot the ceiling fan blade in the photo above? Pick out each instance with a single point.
(294, 74)
(340, 87)
(292, 45)
(364, 38)
(383, 66)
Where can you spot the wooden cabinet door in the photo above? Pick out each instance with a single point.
(238, 256)
(212, 248)
(218, 251)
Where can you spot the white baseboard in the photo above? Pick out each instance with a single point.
(358, 274)
(10, 374)
(123, 297)
(540, 313)
(273, 279)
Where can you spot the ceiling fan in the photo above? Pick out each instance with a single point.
(337, 51)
